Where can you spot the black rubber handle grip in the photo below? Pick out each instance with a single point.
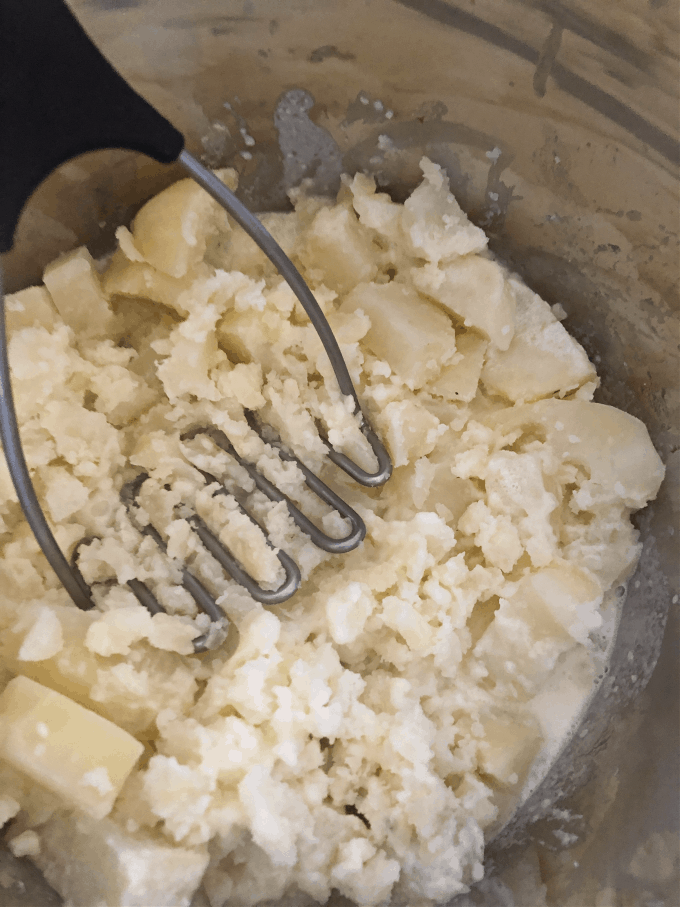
(59, 97)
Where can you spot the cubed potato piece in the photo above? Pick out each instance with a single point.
(410, 333)
(98, 864)
(459, 379)
(236, 251)
(72, 670)
(527, 636)
(613, 447)
(428, 485)
(134, 278)
(508, 749)
(376, 210)
(570, 595)
(32, 307)
(549, 611)
(43, 637)
(408, 430)
(434, 225)
(73, 284)
(542, 358)
(171, 230)
(475, 290)
(73, 752)
(337, 250)
(453, 493)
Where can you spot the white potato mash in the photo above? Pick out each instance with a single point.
(368, 734)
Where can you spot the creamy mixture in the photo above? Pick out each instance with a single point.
(367, 735)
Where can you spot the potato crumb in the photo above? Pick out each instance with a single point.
(26, 844)
(9, 808)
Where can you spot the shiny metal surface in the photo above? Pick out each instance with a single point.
(558, 125)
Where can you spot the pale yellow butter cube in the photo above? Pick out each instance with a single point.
(73, 752)
(73, 283)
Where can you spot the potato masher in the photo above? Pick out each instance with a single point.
(59, 97)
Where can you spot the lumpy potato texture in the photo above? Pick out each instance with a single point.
(367, 735)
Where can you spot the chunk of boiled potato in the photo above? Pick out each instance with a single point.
(73, 752)
(73, 284)
(236, 251)
(171, 230)
(409, 430)
(410, 333)
(549, 611)
(570, 595)
(44, 637)
(136, 278)
(337, 250)
(428, 485)
(72, 670)
(475, 290)
(29, 308)
(376, 210)
(542, 359)
(508, 748)
(434, 225)
(613, 447)
(450, 491)
(459, 379)
(98, 864)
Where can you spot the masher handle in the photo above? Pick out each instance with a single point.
(59, 97)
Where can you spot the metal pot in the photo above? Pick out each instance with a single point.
(557, 123)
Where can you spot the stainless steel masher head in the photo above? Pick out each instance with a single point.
(59, 98)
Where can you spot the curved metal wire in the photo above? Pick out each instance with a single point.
(220, 552)
(326, 542)
(146, 597)
(257, 232)
(21, 478)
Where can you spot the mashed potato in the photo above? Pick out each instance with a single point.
(368, 734)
